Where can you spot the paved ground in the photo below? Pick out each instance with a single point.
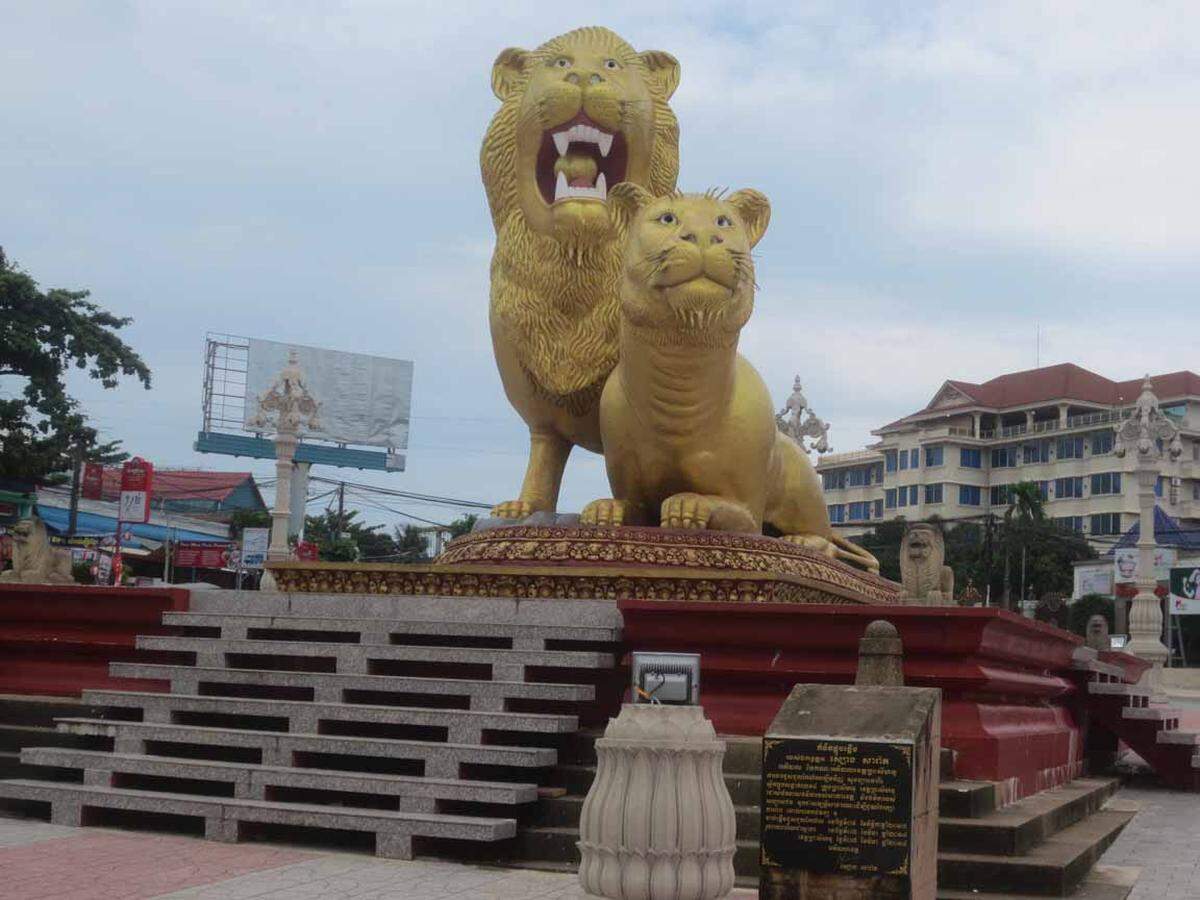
(1163, 840)
(48, 862)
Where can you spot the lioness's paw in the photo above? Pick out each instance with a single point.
(824, 546)
(603, 512)
(513, 509)
(686, 511)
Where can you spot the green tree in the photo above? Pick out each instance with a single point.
(1025, 510)
(411, 545)
(463, 525)
(348, 540)
(44, 334)
(241, 519)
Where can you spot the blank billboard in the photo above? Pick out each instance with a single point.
(364, 399)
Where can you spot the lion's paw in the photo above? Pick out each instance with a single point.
(603, 512)
(821, 545)
(686, 511)
(513, 509)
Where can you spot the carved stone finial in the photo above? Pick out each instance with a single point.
(35, 559)
(793, 422)
(287, 405)
(1146, 427)
(880, 656)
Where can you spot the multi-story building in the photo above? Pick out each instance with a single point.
(1054, 426)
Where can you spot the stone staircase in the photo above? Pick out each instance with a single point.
(342, 718)
(1044, 845)
(1124, 711)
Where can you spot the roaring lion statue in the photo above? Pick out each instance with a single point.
(35, 561)
(690, 438)
(923, 573)
(578, 115)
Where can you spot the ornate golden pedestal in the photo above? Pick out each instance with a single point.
(528, 561)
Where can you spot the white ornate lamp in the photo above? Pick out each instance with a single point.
(286, 408)
(1148, 433)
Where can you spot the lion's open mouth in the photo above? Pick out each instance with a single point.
(579, 160)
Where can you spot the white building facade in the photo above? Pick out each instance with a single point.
(958, 457)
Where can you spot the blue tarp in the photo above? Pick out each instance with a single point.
(1167, 533)
(91, 524)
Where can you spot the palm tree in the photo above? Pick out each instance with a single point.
(1025, 509)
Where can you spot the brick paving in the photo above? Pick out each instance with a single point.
(1163, 840)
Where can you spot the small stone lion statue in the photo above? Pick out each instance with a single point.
(925, 578)
(35, 560)
(690, 438)
(578, 114)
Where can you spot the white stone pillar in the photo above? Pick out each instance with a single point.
(285, 449)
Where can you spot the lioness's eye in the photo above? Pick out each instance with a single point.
(667, 219)
(562, 62)
(724, 221)
(611, 64)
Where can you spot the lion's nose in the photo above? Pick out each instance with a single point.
(690, 237)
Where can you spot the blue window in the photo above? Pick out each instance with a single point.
(889, 460)
(860, 511)
(903, 496)
(1036, 452)
(969, 495)
(1110, 483)
(970, 457)
(1102, 443)
(1106, 523)
(835, 480)
(858, 477)
(999, 494)
(878, 509)
(933, 493)
(914, 457)
(889, 497)
(903, 460)
(837, 513)
(1070, 523)
(1158, 486)
(1070, 448)
(1068, 488)
(1004, 457)
(912, 495)
(934, 455)
(1044, 489)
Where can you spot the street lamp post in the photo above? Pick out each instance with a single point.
(1149, 434)
(287, 409)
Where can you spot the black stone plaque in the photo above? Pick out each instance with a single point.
(831, 805)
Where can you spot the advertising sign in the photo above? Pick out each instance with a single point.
(1125, 564)
(307, 551)
(104, 568)
(137, 477)
(1094, 580)
(254, 547)
(93, 481)
(1185, 591)
(202, 554)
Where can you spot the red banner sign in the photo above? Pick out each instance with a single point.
(307, 551)
(93, 481)
(137, 477)
(203, 554)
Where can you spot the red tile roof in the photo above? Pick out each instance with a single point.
(1065, 381)
(181, 484)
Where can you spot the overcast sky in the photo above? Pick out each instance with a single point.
(944, 179)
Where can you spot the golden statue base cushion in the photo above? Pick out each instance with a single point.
(599, 562)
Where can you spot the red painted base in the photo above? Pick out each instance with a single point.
(56, 640)
(1006, 681)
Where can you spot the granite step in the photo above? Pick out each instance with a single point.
(440, 760)
(332, 688)
(506, 665)
(250, 781)
(1053, 868)
(523, 635)
(225, 818)
(1175, 736)
(1017, 828)
(461, 726)
(968, 799)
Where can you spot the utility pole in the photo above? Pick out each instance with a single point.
(76, 476)
(341, 509)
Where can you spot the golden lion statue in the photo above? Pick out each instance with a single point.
(578, 115)
(927, 580)
(690, 437)
(35, 560)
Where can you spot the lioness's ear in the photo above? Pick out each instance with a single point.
(626, 199)
(662, 69)
(754, 209)
(507, 71)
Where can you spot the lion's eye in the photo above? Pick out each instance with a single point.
(667, 219)
(611, 64)
(724, 221)
(562, 62)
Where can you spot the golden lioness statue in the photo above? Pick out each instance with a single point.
(690, 436)
(579, 114)
(35, 560)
